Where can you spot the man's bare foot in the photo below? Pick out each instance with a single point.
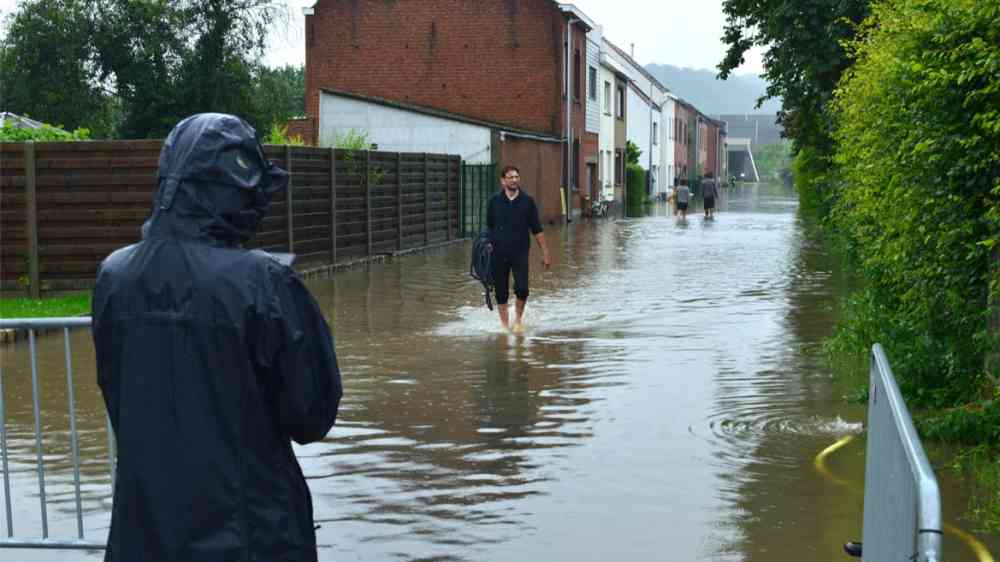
(518, 328)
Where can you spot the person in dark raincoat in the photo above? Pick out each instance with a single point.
(210, 357)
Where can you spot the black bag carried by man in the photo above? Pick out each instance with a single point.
(481, 268)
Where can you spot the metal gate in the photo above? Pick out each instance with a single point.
(23, 540)
(479, 182)
(902, 512)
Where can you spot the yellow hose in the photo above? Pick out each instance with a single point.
(820, 463)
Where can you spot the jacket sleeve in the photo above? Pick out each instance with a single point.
(294, 348)
(101, 330)
(489, 215)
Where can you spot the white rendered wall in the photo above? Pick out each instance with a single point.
(668, 115)
(637, 125)
(401, 130)
(606, 138)
(594, 61)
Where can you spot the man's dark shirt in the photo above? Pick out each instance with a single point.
(510, 223)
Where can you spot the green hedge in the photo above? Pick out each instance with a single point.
(916, 190)
(637, 198)
(9, 133)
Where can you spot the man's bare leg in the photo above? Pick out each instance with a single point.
(518, 322)
(504, 317)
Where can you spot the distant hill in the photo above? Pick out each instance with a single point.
(738, 95)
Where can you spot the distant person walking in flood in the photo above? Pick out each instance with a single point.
(709, 191)
(211, 358)
(683, 197)
(512, 220)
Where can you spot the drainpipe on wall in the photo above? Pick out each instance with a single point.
(649, 179)
(569, 117)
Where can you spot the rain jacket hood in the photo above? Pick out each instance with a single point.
(215, 183)
(211, 358)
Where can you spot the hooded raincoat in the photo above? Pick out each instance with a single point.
(210, 358)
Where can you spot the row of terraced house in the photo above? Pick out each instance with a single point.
(533, 83)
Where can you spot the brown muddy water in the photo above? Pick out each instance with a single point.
(667, 402)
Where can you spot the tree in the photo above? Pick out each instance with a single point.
(140, 48)
(221, 71)
(173, 58)
(145, 63)
(805, 57)
(279, 93)
(632, 153)
(48, 67)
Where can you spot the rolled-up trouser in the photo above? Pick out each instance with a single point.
(503, 266)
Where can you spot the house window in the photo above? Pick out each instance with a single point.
(607, 98)
(656, 133)
(619, 165)
(620, 102)
(592, 82)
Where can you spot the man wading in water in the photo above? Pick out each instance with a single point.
(512, 218)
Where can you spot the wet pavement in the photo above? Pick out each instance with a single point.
(667, 402)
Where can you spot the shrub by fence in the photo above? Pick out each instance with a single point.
(64, 206)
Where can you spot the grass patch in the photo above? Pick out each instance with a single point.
(66, 305)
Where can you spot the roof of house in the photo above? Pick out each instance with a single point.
(643, 95)
(18, 121)
(636, 65)
(578, 14)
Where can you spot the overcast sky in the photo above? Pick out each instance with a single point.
(679, 32)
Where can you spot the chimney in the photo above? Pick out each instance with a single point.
(632, 50)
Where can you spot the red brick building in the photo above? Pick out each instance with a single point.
(498, 62)
(685, 124)
(715, 147)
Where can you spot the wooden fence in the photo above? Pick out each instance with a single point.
(65, 206)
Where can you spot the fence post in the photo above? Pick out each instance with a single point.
(333, 206)
(461, 199)
(447, 191)
(427, 203)
(31, 209)
(368, 199)
(399, 199)
(288, 198)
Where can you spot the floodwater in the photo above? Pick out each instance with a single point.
(667, 402)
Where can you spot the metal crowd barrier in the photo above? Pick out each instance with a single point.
(32, 325)
(902, 512)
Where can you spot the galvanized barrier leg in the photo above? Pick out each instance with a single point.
(3, 453)
(73, 435)
(38, 432)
